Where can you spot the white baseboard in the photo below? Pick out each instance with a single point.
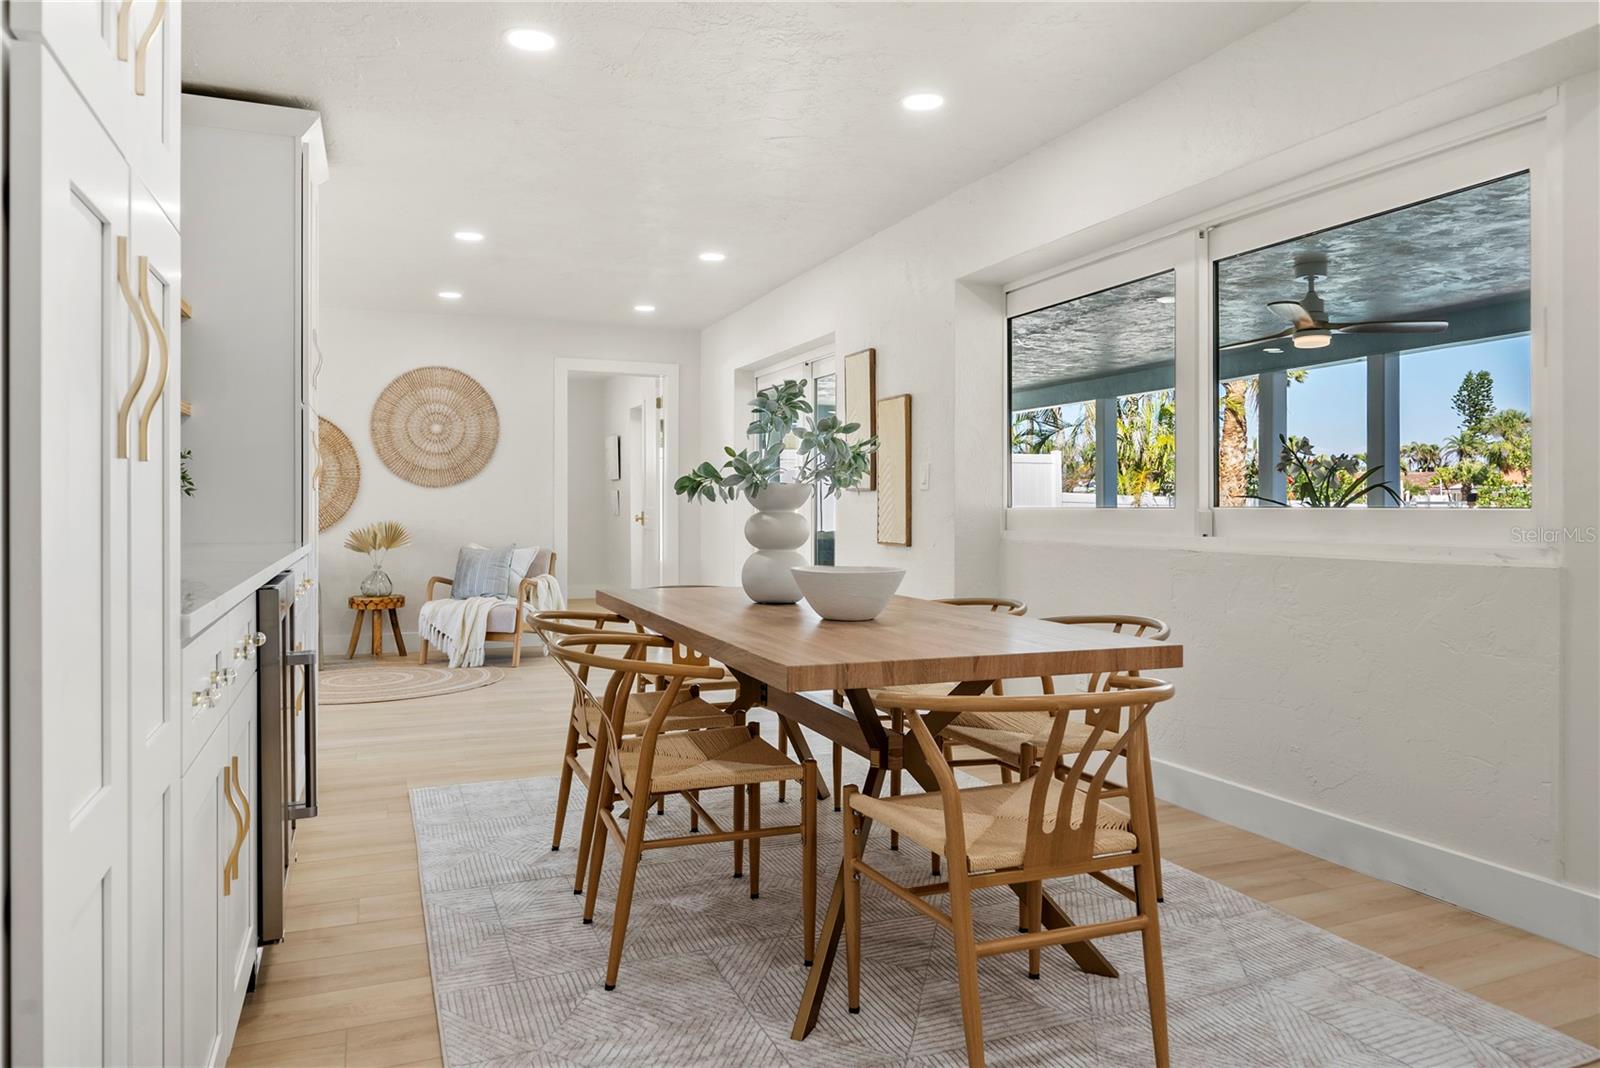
(1558, 911)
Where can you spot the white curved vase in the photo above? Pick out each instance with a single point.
(776, 530)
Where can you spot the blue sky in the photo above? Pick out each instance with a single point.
(1330, 406)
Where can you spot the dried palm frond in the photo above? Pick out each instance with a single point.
(377, 537)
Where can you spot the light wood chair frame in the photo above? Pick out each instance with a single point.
(526, 596)
(610, 786)
(1062, 851)
(895, 717)
(551, 626)
(1140, 627)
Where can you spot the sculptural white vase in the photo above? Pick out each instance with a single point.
(776, 530)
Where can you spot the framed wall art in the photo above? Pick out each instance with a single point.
(861, 402)
(894, 470)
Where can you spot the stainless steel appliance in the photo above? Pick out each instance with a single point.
(287, 746)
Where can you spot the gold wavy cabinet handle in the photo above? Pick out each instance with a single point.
(124, 16)
(245, 801)
(230, 866)
(143, 52)
(144, 343)
(166, 359)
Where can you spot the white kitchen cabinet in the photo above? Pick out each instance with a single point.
(250, 177)
(219, 880)
(95, 752)
(94, 43)
(69, 558)
(209, 832)
(239, 908)
(155, 723)
(125, 57)
(157, 102)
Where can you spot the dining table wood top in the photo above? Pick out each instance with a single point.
(790, 647)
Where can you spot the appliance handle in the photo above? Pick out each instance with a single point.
(307, 658)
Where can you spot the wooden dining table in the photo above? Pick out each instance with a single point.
(785, 656)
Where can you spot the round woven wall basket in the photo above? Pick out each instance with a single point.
(338, 474)
(434, 426)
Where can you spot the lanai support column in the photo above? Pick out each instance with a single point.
(1383, 424)
(1272, 423)
(1105, 452)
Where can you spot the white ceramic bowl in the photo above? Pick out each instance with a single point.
(847, 594)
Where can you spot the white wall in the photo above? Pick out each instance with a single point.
(1456, 752)
(511, 499)
(599, 543)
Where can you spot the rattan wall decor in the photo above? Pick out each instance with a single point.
(434, 426)
(338, 474)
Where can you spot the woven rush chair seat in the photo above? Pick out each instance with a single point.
(1004, 734)
(587, 724)
(686, 714)
(996, 822)
(708, 759)
(1000, 605)
(1052, 824)
(634, 770)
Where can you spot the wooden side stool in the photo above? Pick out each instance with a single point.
(377, 606)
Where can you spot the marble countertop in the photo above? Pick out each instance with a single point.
(217, 577)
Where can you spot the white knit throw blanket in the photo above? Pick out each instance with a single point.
(457, 625)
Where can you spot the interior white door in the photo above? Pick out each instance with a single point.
(155, 726)
(70, 326)
(650, 447)
(633, 471)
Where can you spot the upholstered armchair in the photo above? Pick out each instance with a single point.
(508, 622)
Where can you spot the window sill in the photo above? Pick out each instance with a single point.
(1359, 545)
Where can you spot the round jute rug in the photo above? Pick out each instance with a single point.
(361, 684)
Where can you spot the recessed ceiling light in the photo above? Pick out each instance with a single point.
(530, 40)
(922, 102)
(449, 294)
(713, 257)
(1274, 351)
(469, 236)
(644, 307)
(1166, 300)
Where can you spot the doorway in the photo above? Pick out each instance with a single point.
(819, 371)
(615, 513)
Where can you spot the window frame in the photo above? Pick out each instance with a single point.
(1440, 173)
(1174, 253)
(1522, 135)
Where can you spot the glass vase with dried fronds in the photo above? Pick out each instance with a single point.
(376, 539)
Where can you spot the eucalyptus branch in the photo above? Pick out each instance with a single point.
(829, 460)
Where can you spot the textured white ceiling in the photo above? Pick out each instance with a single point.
(598, 171)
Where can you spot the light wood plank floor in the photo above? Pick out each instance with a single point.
(349, 985)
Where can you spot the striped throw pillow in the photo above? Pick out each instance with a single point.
(482, 572)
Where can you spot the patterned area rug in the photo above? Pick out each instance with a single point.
(710, 977)
(359, 683)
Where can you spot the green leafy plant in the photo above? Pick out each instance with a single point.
(1325, 481)
(185, 480)
(829, 460)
